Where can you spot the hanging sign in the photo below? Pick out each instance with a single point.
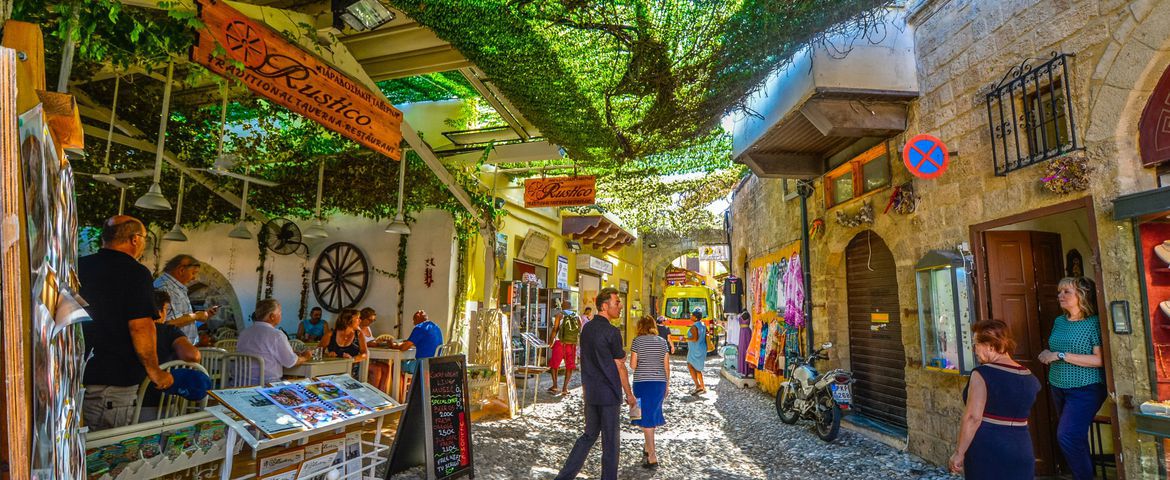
(559, 191)
(284, 73)
(562, 272)
(719, 253)
(926, 156)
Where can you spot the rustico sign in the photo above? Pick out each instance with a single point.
(559, 191)
(284, 73)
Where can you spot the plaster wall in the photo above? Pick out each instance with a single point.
(238, 260)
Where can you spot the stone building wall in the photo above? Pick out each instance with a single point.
(963, 47)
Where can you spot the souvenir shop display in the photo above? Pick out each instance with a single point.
(775, 300)
(945, 312)
(294, 406)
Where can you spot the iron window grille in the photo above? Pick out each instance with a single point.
(1030, 115)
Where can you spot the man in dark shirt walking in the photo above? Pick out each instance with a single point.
(120, 294)
(604, 378)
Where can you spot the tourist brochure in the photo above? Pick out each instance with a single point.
(286, 407)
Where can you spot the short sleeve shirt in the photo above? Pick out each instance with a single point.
(652, 351)
(1078, 337)
(426, 337)
(265, 341)
(165, 342)
(600, 345)
(117, 289)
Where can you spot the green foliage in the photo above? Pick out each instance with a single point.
(618, 81)
(428, 88)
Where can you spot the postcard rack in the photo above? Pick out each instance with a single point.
(373, 453)
(162, 465)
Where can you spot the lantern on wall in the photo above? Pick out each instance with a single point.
(945, 312)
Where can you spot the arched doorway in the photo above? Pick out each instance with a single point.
(877, 356)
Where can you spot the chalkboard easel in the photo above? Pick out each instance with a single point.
(435, 429)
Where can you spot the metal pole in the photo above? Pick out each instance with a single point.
(805, 188)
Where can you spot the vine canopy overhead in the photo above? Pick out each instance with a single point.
(618, 80)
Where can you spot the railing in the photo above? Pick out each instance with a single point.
(1030, 115)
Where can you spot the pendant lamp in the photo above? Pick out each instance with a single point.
(317, 230)
(241, 230)
(122, 201)
(153, 199)
(176, 234)
(399, 225)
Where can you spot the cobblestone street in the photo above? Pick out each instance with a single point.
(729, 433)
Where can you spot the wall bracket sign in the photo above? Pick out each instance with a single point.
(560, 191)
(275, 69)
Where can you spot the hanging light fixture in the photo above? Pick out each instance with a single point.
(241, 230)
(122, 201)
(153, 199)
(399, 225)
(176, 234)
(317, 230)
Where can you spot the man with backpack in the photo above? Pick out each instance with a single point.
(566, 331)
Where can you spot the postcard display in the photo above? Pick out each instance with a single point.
(436, 428)
(283, 412)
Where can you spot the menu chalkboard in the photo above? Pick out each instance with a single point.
(435, 429)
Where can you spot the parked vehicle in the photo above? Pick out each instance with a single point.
(680, 301)
(809, 395)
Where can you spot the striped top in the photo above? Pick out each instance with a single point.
(1079, 336)
(652, 351)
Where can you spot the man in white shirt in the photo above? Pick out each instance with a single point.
(179, 272)
(266, 341)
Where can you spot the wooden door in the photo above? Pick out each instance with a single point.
(876, 353)
(1023, 269)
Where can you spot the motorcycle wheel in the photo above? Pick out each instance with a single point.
(786, 405)
(828, 421)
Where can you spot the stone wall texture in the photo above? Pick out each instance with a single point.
(963, 47)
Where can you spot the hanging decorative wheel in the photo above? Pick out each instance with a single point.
(340, 277)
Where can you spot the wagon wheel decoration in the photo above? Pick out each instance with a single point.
(340, 277)
(245, 44)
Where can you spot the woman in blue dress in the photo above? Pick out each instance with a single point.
(994, 442)
(697, 351)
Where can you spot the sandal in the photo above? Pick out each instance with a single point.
(552, 390)
(649, 466)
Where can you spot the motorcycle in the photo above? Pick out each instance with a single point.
(820, 398)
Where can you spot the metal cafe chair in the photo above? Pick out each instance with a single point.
(169, 405)
(242, 370)
(212, 361)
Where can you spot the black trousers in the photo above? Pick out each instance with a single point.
(600, 420)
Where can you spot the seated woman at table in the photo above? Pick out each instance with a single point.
(379, 369)
(346, 340)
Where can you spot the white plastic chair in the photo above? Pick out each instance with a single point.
(225, 332)
(227, 344)
(242, 370)
(170, 405)
(212, 361)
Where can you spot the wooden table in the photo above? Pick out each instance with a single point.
(395, 358)
(325, 366)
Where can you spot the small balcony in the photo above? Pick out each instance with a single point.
(827, 100)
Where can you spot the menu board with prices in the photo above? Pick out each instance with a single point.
(435, 430)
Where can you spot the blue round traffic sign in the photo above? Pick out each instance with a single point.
(926, 156)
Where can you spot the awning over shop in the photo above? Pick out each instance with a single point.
(819, 104)
(596, 231)
(1140, 204)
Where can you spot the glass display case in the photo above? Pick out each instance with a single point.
(945, 312)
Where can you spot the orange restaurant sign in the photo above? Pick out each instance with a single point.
(286, 74)
(559, 191)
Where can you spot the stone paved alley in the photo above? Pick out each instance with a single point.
(729, 433)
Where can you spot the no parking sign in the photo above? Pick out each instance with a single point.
(926, 156)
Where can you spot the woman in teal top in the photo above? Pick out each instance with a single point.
(1075, 371)
(697, 351)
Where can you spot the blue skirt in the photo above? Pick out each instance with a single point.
(650, 396)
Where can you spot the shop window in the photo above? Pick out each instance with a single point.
(1030, 115)
(945, 312)
(863, 174)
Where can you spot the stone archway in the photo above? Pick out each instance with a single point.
(667, 248)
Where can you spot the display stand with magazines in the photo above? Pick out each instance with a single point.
(284, 412)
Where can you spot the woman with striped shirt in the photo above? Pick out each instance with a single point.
(650, 361)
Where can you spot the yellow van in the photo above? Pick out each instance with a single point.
(680, 301)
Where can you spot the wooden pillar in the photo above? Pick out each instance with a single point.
(22, 73)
